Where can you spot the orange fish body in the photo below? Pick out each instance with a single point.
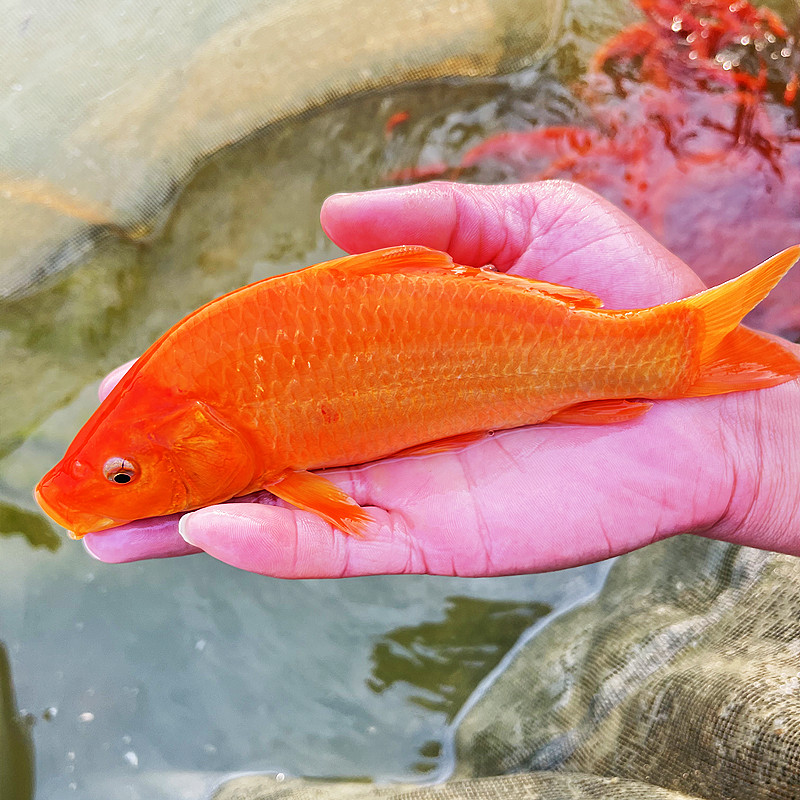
(372, 355)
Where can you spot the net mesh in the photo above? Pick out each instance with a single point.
(680, 680)
(542, 786)
(98, 142)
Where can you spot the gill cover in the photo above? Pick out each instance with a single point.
(212, 458)
(179, 456)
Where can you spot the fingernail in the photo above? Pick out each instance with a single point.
(184, 529)
(197, 525)
(359, 197)
(88, 548)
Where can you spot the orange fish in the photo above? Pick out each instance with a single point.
(395, 351)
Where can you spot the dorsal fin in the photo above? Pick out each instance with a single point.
(403, 258)
(414, 258)
(579, 298)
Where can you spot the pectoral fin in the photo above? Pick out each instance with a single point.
(312, 492)
(601, 412)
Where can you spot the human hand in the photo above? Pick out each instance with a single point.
(531, 499)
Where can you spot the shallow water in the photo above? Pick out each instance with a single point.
(158, 678)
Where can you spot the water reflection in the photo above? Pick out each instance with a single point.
(448, 659)
(33, 526)
(16, 748)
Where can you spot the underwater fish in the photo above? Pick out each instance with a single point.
(398, 351)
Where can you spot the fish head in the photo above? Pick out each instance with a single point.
(133, 460)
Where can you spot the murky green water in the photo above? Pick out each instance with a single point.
(156, 679)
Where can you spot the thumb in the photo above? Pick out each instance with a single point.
(287, 543)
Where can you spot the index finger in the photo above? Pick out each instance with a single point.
(113, 378)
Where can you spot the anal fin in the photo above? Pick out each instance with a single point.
(312, 492)
(446, 445)
(601, 412)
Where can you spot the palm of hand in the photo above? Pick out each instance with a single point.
(527, 500)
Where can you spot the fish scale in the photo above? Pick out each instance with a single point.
(368, 356)
(517, 350)
(453, 354)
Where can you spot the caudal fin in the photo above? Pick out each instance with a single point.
(733, 358)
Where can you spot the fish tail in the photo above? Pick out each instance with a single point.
(733, 358)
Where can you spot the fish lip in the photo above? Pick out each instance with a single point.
(92, 523)
(77, 532)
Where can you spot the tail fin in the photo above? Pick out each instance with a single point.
(733, 358)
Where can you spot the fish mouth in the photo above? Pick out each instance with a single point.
(77, 523)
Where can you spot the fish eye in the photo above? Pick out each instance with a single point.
(120, 470)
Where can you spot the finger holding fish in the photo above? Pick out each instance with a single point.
(154, 537)
(113, 378)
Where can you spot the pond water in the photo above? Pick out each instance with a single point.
(157, 679)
